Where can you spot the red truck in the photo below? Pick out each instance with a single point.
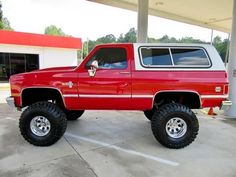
(165, 81)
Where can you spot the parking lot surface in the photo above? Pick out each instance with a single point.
(115, 143)
(3, 95)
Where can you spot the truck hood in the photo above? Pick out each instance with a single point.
(48, 72)
(66, 68)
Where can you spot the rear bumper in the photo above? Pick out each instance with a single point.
(10, 101)
(225, 104)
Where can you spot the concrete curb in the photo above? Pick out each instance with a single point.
(4, 86)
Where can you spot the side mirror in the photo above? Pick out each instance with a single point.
(94, 64)
(93, 68)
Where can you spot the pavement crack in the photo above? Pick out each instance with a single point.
(80, 156)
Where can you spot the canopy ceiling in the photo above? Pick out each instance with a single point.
(213, 14)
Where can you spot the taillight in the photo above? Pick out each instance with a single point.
(226, 89)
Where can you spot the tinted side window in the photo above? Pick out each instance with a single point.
(190, 57)
(155, 56)
(109, 58)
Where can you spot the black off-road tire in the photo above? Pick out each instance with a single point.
(149, 113)
(170, 111)
(73, 115)
(53, 114)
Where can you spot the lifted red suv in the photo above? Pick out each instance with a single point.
(165, 81)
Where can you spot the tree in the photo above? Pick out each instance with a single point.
(110, 38)
(54, 30)
(90, 44)
(130, 36)
(4, 22)
(164, 39)
(87, 45)
(1, 24)
(190, 40)
(221, 46)
(173, 40)
(153, 40)
(0, 11)
(121, 38)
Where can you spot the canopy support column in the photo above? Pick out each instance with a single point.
(142, 20)
(231, 112)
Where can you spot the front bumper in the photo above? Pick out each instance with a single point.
(226, 104)
(10, 101)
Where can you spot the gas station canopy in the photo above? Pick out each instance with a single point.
(213, 14)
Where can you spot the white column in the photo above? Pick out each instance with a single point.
(142, 20)
(232, 66)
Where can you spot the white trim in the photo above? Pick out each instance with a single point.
(114, 96)
(103, 96)
(70, 96)
(214, 96)
(142, 96)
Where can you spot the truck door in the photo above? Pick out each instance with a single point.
(110, 86)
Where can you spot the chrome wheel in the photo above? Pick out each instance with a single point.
(40, 126)
(176, 127)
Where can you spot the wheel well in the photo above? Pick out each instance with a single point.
(33, 95)
(189, 99)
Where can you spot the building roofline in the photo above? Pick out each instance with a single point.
(41, 40)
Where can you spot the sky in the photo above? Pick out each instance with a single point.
(88, 20)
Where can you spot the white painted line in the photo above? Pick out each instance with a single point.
(157, 159)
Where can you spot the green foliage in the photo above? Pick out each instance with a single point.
(130, 36)
(0, 11)
(79, 55)
(54, 30)
(153, 40)
(110, 38)
(221, 46)
(191, 40)
(85, 48)
(4, 22)
(1, 25)
(165, 39)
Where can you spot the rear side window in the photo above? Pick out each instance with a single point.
(156, 56)
(178, 57)
(109, 58)
(190, 57)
